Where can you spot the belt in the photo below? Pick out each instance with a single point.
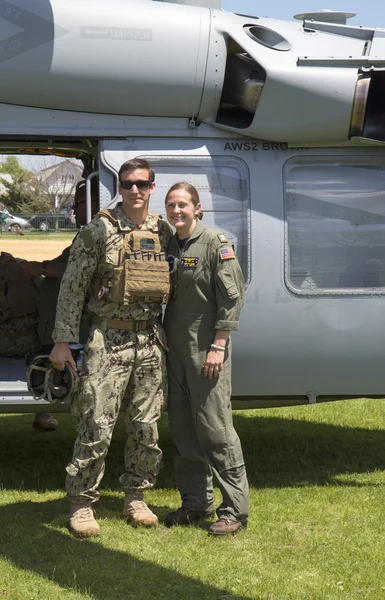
(126, 325)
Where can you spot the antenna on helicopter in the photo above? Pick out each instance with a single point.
(326, 15)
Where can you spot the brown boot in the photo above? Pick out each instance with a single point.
(225, 527)
(44, 422)
(82, 521)
(136, 511)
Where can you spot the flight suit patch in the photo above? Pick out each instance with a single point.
(189, 262)
(226, 253)
(222, 238)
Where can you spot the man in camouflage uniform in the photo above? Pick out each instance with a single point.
(124, 358)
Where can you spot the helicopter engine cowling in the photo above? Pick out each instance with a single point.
(302, 83)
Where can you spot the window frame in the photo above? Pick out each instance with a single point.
(324, 161)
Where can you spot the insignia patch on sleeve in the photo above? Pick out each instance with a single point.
(189, 262)
(226, 253)
(222, 238)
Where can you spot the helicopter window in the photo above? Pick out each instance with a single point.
(335, 226)
(223, 186)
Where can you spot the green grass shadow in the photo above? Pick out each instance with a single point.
(86, 565)
(279, 452)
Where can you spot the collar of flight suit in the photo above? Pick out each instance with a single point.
(127, 224)
(197, 231)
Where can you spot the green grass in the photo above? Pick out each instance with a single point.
(316, 522)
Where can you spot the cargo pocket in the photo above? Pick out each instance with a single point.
(93, 353)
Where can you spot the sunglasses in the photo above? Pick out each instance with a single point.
(141, 184)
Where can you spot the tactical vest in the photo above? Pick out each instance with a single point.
(142, 273)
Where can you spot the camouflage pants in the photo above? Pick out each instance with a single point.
(119, 367)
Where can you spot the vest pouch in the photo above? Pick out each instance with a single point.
(143, 241)
(138, 280)
(117, 285)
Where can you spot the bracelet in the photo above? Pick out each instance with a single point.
(215, 347)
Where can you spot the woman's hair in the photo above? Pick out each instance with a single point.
(191, 190)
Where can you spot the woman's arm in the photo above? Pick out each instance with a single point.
(213, 364)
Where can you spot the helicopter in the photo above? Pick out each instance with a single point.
(281, 127)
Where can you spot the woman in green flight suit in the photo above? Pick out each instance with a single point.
(206, 299)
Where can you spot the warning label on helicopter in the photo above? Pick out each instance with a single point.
(117, 33)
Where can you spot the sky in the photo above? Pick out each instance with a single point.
(370, 13)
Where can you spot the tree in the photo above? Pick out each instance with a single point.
(11, 166)
(21, 195)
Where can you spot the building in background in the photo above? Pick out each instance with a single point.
(58, 181)
(37, 184)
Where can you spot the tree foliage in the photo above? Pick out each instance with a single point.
(11, 166)
(22, 195)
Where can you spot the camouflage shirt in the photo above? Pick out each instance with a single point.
(96, 250)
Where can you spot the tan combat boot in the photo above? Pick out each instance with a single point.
(136, 511)
(82, 521)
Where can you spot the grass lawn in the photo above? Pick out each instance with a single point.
(316, 527)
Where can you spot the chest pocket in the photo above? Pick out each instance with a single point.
(188, 272)
(143, 273)
(138, 280)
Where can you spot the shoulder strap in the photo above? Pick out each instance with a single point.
(110, 215)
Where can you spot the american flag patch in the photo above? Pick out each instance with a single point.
(226, 253)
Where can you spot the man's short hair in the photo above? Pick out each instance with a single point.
(134, 164)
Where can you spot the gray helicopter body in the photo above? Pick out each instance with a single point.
(281, 127)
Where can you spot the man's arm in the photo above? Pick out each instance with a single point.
(86, 252)
(61, 352)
